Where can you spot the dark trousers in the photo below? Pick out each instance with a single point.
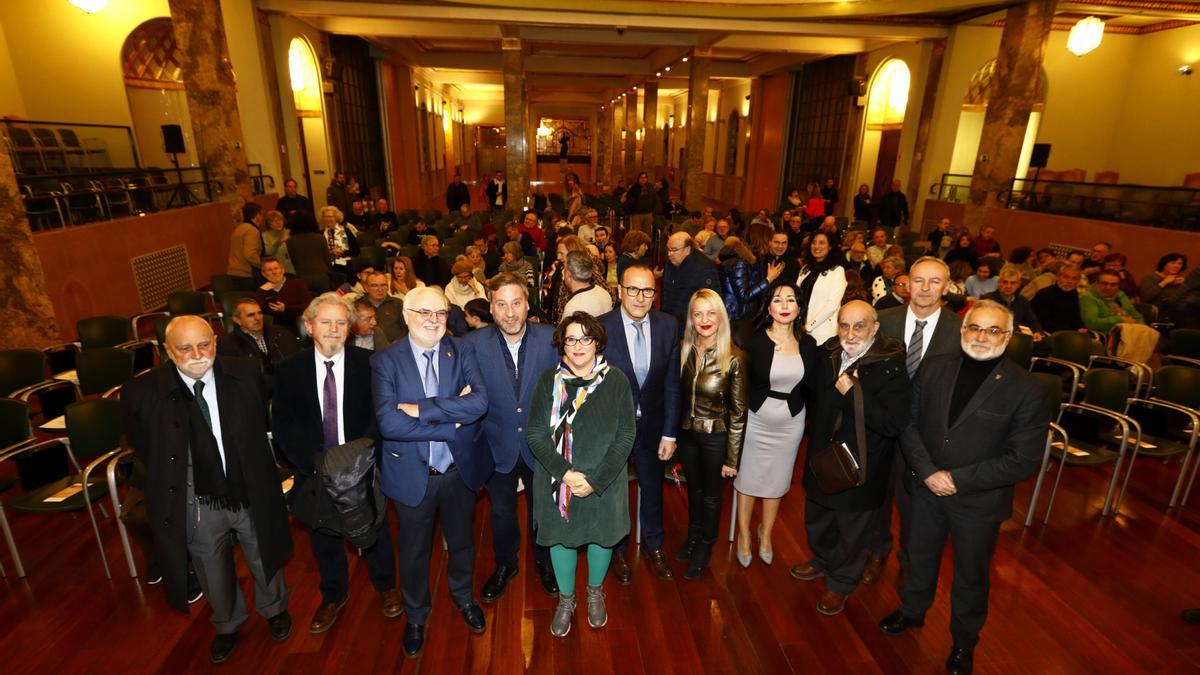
(702, 456)
(973, 543)
(649, 469)
(838, 540)
(448, 497)
(506, 530)
(879, 541)
(330, 553)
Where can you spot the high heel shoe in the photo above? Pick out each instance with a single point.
(744, 559)
(767, 556)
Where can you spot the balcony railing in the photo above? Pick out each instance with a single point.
(68, 199)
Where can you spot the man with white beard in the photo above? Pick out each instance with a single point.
(199, 422)
(978, 427)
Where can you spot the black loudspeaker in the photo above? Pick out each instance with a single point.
(1040, 157)
(173, 139)
(858, 86)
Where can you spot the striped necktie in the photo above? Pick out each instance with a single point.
(915, 343)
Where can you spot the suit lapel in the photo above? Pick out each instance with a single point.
(983, 393)
(310, 384)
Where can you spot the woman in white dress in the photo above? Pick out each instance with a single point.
(781, 356)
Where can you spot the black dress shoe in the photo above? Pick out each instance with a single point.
(473, 615)
(414, 639)
(222, 647)
(153, 575)
(280, 626)
(896, 623)
(549, 582)
(1191, 616)
(961, 661)
(194, 592)
(494, 587)
(621, 571)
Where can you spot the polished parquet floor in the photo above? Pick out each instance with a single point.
(1083, 595)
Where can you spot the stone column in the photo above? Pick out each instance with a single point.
(616, 164)
(651, 138)
(933, 81)
(604, 127)
(631, 125)
(212, 95)
(29, 321)
(697, 118)
(1010, 101)
(516, 166)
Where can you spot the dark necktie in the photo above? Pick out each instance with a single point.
(198, 389)
(913, 360)
(329, 412)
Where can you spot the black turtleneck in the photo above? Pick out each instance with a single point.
(971, 375)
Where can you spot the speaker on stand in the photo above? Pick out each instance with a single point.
(174, 146)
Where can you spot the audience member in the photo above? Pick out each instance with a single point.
(964, 250)
(245, 244)
(641, 203)
(403, 279)
(366, 330)
(717, 241)
(357, 217)
(283, 298)
(940, 237)
(497, 192)
(685, 273)
(1162, 286)
(982, 282)
(464, 287)
(829, 193)
(307, 247)
(385, 221)
(458, 195)
(1104, 307)
(889, 270)
(893, 207)
(343, 245)
(1047, 277)
(863, 205)
(292, 201)
(633, 251)
(742, 278)
(985, 245)
(822, 282)
(478, 314)
(252, 338)
(897, 297)
(877, 251)
(429, 266)
(1057, 306)
(338, 193)
(388, 309)
(1007, 284)
(583, 295)
(856, 260)
(514, 262)
(585, 228)
(1115, 263)
(556, 292)
(274, 241)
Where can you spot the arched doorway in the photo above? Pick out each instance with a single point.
(154, 87)
(887, 101)
(308, 100)
(970, 121)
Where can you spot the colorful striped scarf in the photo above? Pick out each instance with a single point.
(562, 416)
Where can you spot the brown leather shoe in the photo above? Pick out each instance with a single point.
(873, 570)
(325, 617)
(659, 565)
(620, 569)
(392, 603)
(805, 572)
(831, 603)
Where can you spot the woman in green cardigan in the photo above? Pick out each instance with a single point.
(580, 430)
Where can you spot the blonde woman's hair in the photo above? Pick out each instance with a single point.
(724, 344)
(338, 216)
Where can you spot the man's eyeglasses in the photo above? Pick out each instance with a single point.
(586, 341)
(647, 293)
(429, 314)
(990, 331)
(677, 249)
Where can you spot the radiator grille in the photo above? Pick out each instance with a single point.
(160, 274)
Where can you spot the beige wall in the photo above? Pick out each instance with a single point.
(254, 99)
(11, 101)
(283, 29)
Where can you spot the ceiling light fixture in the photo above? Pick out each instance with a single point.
(1085, 36)
(685, 59)
(658, 74)
(668, 69)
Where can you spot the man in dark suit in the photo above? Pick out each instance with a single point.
(199, 422)
(512, 354)
(926, 328)
(428, 397)
(322, 400)
(978, 428)
(644, 344)
(251, 338)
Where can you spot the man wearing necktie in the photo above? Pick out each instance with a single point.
(322, 399)
(926, 330)
(429, 396)
(644, 344)
(200, 424)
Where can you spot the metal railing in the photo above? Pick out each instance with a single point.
(62, 200)
(260, 182)
(39, 147)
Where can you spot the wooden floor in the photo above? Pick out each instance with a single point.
(1083, 595)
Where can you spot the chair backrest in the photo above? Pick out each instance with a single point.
(225, 282)
(1107, 388)
(229, 301)
(69, 138)
(103, 368)
(94, 427)
(1108, 177)
(20, 368)
(160, 329)
(45, 137)
(317, 283)
(1053, 385)
(1020, 349)
(103, 331)
(14, 422)
(1148, 311)
(180, 303)
(1071, 346)
(1179, 385)
(1186, 342)
(20, 137)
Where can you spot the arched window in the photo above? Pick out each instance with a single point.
(150, 63)
(888, 98)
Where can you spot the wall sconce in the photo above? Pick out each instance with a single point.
(1185, 69)
(90, 6)
(622, 134)
(543, 131)
(1085, 36)
(639, 134)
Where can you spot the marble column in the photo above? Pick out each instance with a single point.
(211, 89)
(1013, 94)
(631, 126)
(604, 127)
(697, 119)
(652, 136)
(616, 164)
(937, 55)
(516, 166)
(29, 321)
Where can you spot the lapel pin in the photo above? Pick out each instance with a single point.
(449, 354)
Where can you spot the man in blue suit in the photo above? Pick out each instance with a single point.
(644, 344)
(512, 353)
(429, 396)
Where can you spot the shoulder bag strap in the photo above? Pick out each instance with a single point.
(860, 426)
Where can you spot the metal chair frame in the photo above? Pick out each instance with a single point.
(1194, 417)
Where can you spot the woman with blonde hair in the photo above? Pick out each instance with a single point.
(713, 388)
(338, 238)
(275, 237)
(402, 278)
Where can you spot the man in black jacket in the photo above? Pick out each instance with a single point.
(199, 422)
(323, 399)
(1057, 306)
(839, 525)
(428, 265)
(457, 194)
(251, 338)
(686, 273)
(779, 253)
(641, 203)
(1008, 282)
(292, 201)
(893, 208)
(978, 426)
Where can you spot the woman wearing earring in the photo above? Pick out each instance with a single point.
(580, 430)
(781, 356)
(713, 389)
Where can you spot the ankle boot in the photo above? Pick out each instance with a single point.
(685, 551)
(699, 560)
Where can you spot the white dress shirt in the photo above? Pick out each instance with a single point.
(214, 411)
(339, 378)
(910, 324)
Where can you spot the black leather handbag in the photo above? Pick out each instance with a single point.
(834, 467)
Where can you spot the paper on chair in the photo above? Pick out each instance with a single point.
(64, 494)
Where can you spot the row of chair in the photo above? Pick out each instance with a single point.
(45, 150)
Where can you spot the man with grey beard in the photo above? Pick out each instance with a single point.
(199, 422)
(978, 426)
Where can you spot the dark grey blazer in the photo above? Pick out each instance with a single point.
(946, 336)
(995, 443)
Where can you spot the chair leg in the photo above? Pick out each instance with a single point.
(733, 515)
(12, 544)
(87, 503)
(1191, 481)
(1129, 471)
(112, 493)
(1187, 458)
(1037, 487)
(637, 517)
